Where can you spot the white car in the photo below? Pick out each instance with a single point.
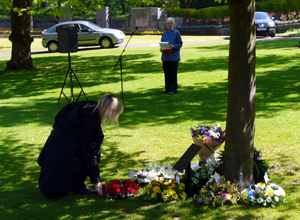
(89, 34)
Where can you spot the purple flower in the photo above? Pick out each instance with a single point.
(259, 158)
(199, 200)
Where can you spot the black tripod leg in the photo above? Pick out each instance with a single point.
(62, 92)
(79, 86)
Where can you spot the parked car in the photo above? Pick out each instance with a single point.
(89, 34)
(264, 24)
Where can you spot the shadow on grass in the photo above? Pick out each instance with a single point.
(276, 91)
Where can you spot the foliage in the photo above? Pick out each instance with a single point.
(201, 173)
(264, 195)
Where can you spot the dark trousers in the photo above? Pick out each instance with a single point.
(170, 70)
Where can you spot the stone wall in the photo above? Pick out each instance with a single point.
(147, 19)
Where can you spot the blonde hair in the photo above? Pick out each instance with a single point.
(110, 107)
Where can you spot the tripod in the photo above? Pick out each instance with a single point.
(120, 60)
(71, 72)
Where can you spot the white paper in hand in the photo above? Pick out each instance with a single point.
(164, 45)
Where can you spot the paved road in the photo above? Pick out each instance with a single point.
(3, 54)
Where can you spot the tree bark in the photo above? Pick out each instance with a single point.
(238, 155)
(20, 37)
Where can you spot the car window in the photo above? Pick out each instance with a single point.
(259, 16)
(65, 26)
(84, 28)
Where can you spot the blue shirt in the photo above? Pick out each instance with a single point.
(173, 37)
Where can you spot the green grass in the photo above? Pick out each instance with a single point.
(157, 131)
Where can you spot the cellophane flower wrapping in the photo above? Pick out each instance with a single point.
(268, 195)
(209, 138)
(120, 189)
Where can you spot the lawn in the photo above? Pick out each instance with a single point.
(156, 131)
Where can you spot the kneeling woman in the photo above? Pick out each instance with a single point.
(72, 151)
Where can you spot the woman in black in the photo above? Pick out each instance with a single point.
(72, 151)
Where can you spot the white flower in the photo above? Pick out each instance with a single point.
(281, 191)
(269, 199)
(276, 199)
(260, 200)
(218, 126)
(252, 199)
(196, 181)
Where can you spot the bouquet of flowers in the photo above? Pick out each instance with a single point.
(218, 191)
(260, 167)
(155, 172)
(209, 138)
(120, 189)
(201, 173)
(263, 194)
(164, 190)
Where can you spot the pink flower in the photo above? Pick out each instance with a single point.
(224, 195)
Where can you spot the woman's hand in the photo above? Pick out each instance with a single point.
(171, 46)
(98, 188)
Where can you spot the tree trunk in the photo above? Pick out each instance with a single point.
(20, 37)
(238, 157)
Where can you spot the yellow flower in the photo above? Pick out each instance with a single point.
(203, 191)
(183, 195)
(211, 186)
(165, 198)
(213, 203)
(156, 189)
(229, 196)
(149, 186)
(269, 191)
(175, 196)
(181, 186)
(228, 182)
(153, 195)
(171, 186)
(262, 185)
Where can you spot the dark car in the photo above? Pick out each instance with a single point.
(264, 24)
(89, 34)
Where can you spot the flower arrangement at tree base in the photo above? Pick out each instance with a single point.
(164, 190)
(120, 189)
(217, 191)
(209, 138)
(263, 194)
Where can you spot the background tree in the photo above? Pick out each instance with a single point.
(21, 13)
(20, 37)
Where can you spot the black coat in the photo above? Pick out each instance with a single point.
(72, 151)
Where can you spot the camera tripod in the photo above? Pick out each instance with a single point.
(71, 72)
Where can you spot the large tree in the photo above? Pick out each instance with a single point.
(238, 157)
(20, 37)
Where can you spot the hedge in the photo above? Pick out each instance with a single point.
(279, 6)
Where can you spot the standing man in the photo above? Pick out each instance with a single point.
(170, 58)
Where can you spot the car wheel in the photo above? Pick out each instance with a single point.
(272, 35)
(106, 42)
(53, 46)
